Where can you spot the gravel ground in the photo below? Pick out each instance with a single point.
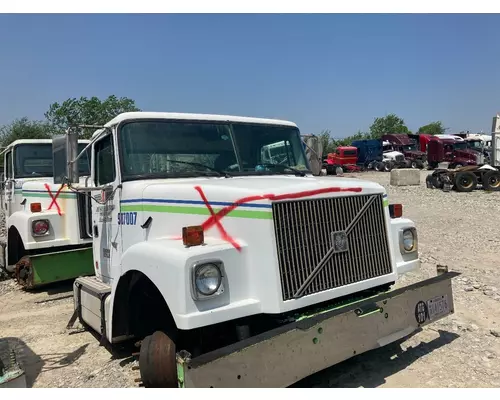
(455, 229)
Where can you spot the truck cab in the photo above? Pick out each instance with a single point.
(342, 157)
(453, 151)
(208, 254)
(31, 201)
(409, 147)
(27, 160)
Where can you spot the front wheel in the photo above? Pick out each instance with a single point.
(157, 363)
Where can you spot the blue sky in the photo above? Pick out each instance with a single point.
(334, 72)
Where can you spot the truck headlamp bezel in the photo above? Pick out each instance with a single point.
(402, 246)
(197, 268)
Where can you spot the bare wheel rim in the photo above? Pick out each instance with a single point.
(494, 181)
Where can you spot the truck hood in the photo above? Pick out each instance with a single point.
(468, 154)
(249, 189)
(415, 153)
(392, 154)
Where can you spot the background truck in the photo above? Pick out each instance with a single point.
(43, 243)
(410, 149)
(468, 178)
(422, 139)
(231, 272)
(371, 155)
(397, 158)
(452, 151)
(343, 159)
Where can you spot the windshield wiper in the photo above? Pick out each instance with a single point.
(297, 172)
(220, 173)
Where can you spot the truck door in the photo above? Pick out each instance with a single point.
(107, 241)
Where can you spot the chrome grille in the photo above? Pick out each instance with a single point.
(303, 237)
(400, 157)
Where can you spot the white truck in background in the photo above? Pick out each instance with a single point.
(43, 244)
(232, 271)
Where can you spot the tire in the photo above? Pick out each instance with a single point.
(465, 181)
(436, 180)
(429, 181)
(420, 164)
(370, 165)
(388, 167)
(414, 164)
(157, 361)
(491, 181)
(379, 166)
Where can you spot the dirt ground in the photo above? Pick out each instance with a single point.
(459, 230)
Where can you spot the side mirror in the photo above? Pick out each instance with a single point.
(64, 153)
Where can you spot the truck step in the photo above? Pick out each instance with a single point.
(92, 283)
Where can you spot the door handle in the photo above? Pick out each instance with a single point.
(96, 231)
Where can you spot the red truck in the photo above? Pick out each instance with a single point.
(455, 152)
(404, 144)
(422, 139)
(344, 157)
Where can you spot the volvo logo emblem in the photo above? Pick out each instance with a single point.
(339, 242)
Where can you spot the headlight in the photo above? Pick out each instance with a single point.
(40, 227)
(408, 240)
(207, 279)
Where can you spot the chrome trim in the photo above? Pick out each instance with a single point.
(195, 294)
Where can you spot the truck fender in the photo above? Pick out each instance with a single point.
(404, 263)
(22, 221)
(167, 264)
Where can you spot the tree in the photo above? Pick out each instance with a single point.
(326, 141)
(24, 129)
(434, 128)
(86, 111)
(389, 124)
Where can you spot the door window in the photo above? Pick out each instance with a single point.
(104, 168)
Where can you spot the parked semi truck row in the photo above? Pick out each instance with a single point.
(43, 244)
(467, 178)
(365, 155)
(230, 270)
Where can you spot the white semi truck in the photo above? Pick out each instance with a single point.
(43, 243)
(232, 271)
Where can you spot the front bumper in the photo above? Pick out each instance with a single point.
(285, 355)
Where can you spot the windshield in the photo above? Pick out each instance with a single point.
(410, 147)
(152, 149)
(475, 144)
(460, 145)
(35, 160)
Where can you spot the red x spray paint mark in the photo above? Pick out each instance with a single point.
(54, 198)
(225, 236)
(215, 218)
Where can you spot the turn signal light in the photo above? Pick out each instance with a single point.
(193, 236)
(396, 210)
(36, 207)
